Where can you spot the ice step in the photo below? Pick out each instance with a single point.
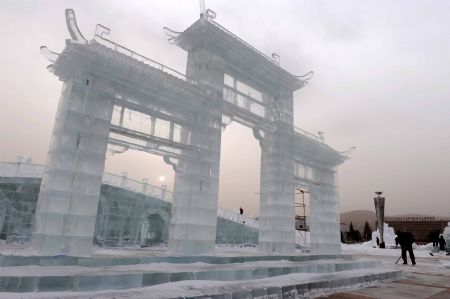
(80, 279)
(15, 260)
(298, 285)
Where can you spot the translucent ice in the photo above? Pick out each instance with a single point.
(114, 96)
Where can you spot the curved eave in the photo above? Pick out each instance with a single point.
(317, 151)
(210, 35)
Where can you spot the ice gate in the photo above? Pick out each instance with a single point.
(115, 99)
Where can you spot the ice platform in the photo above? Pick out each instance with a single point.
(193, 276)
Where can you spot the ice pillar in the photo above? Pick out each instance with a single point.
(69, 195)
(324, 220)
(277, 211)
(194, 209)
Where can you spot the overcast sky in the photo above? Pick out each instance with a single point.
(382, 72)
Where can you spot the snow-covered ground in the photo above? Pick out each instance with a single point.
(367, 248)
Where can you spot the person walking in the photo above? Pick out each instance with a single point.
(442, 243)
(406, 239)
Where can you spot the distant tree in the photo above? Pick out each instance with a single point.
(354, 235)
(367, 231)
(357, 237)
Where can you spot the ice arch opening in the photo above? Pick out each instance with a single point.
(240, 164)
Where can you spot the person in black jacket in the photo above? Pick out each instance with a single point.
(406, 239)
(442, 243)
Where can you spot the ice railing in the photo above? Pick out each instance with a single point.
(236, 217)
(101, 30)
(28, 170)
(307, 134)
(230, 95)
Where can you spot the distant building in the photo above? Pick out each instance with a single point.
(420, 226)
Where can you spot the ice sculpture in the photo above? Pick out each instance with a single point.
(446, 234)
(118, 98)
(388, 234)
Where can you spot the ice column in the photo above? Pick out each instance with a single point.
(277, 212)
(194, 209)
(324, 220)
(69, 195)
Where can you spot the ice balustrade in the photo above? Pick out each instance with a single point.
(237, 93)
(236, 217)
(14, 169)
(99, 37)
(25, 170)
(144, 123)
(251, 102)
(308, 134)
(21, 170)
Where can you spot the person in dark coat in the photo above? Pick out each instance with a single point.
(435, 239)
(432, 238)
(406, 239)
(442, 243)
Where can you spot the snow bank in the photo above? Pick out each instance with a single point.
(388, 234)
(444, 264)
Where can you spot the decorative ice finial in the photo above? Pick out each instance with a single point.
(210, 15)
(50, 55)
(276, 58)
(72, 26)
(321, 135)
(171, 34)
(172, 162)
(101, 30)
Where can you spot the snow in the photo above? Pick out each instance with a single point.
(367, 248)
(438, 264)
(388, 234)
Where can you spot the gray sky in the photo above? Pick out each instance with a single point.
(381, 84)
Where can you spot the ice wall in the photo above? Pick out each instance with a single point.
(324, 221)
(67, 205)
(121, 215)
